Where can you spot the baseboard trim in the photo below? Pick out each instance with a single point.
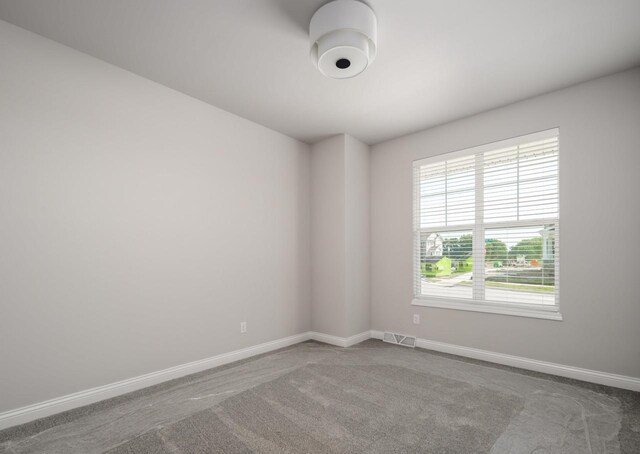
(340, 341)
(40, 410)
(588, 375)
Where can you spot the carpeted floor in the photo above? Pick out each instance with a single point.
(374, 397)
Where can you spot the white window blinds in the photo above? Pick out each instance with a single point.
(521, 182)
(447, 194)
(486, 224)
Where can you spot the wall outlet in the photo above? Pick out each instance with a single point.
(416, 319)
(243, 327)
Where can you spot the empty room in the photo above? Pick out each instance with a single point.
(319, 226)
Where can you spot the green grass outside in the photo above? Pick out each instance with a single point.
(523, 287)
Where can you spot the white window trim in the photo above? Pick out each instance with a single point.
(533, 311)
(534, 137)
(541, 311)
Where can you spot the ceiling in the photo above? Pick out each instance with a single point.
(437, 60)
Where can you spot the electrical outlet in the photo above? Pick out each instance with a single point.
(416, 319)
(243, 327)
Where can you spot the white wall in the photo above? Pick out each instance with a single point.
(358, 223)
(328, 241)
(138, 226)
(340, 236)
(599, 125)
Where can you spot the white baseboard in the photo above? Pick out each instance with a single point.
(592, 376)
(40, 410)
(341, 341)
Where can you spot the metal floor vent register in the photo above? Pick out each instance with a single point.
(399, 339)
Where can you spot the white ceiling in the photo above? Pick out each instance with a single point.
(437, 60)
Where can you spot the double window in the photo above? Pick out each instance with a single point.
(486, 228)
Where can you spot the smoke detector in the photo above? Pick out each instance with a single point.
(343, 38)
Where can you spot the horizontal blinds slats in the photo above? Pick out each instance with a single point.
(447, 192)
(519, 185)
(519, 181)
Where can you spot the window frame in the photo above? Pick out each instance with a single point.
(478, 228)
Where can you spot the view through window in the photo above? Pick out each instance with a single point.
(486, 225)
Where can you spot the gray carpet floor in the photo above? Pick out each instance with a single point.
(371, 398)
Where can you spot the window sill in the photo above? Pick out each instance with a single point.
(550, 313)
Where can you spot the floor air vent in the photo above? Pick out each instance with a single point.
(399, 339)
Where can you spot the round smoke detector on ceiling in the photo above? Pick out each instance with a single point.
(343, 38)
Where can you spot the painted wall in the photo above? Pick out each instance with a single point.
(138, 226)
(600, 220)
(328, 241)
(340, 237)
(358, 239)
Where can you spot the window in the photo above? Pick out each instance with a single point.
(486, 228)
